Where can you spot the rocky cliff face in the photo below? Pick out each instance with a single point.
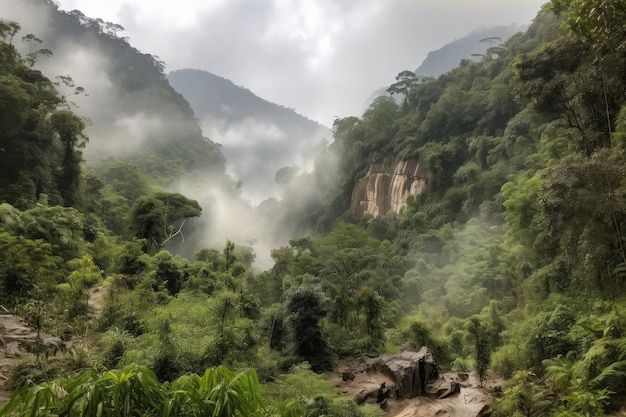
(386, 186)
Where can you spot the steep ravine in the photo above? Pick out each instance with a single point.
(386, 186)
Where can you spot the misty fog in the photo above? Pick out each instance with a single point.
(120, 122)
(256, 149)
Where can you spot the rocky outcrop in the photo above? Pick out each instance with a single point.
(386, 186)
(407, 384)
(410, 371)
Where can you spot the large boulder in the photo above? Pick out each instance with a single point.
(410, 371)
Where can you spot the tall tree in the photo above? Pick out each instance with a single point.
(306, 306)
(160, 217)
(70, 128)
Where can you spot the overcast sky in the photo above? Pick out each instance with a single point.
(320, 57)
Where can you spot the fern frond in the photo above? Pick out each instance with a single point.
(612, 376)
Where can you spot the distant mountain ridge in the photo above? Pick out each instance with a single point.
(215, 96)
(468, 47)
(258, 137)
(451, 54)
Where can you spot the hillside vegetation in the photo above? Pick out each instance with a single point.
(512, 262)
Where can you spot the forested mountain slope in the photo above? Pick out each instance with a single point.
(142, 134)
(510, 261)
(522, 210)
(133, 112)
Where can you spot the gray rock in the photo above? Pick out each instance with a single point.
(410, 371)
(442, 388)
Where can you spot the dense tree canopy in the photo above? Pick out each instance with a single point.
(524, 211)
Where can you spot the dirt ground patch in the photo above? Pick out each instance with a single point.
(354, 377)
(97, 297)
(14, 334)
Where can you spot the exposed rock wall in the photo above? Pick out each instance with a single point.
(386, 186)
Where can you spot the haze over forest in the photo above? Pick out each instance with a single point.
(256, 144)
(176, 241)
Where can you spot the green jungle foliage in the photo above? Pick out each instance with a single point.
(512, 262)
